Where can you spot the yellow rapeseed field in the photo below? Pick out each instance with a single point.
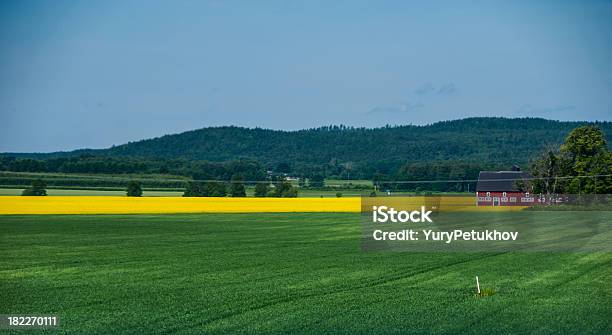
(133, 205)
(153, 205)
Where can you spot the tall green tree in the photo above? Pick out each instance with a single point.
(546, 170)
(215, 189)
(38, 188)
(237, 187)
(134, 189)
(194, 189)
(586, 157)
(284, 189)
(582, 165)
(261, 190)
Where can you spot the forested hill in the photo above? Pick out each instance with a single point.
(487, 141)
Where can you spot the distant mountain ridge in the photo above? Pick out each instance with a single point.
(481, 139)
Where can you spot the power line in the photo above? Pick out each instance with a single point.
(488, 180)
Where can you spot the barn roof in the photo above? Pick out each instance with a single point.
(499, 181)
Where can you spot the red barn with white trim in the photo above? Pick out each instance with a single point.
(502, 188)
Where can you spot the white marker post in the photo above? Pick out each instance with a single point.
(477, 285)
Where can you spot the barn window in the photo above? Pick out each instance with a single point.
(504, 194)
(488, 194)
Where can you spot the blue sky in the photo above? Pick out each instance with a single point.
(77, 74)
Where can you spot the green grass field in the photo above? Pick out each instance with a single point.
(282, 273)
(343, 182)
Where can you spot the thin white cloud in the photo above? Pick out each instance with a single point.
(529, 110)
(402, 108)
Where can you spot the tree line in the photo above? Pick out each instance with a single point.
(89, 164)
(405, 158)
(337, 152)
(279, 188)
